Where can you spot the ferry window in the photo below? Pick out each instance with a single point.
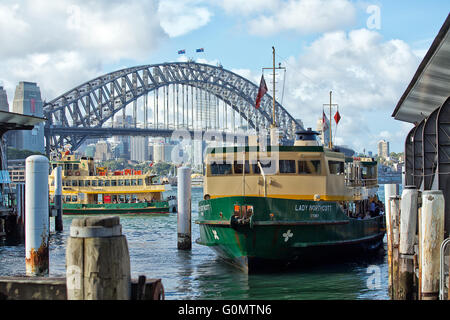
(114, 198)
(309, 167)
(134, 197)
(139, 182)
(113, 183)
(336, 167)
(80, 183)
(127, 182)
(287, 166)
(54, 165)
(121, 182)
(220, 168)
(53, 183)
(100, 183)
(94, 183)
(76, 166)
(128, 197)
(238, 167)
(74, 198)
(133, 182)
(268, 166)
(67, 198)
(74, 183)
(87, 183)
(122, 198)
(68, 166)
(107, 183)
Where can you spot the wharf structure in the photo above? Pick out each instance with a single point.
(9, 215)
(426, 104)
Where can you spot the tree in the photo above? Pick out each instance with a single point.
(14, 153)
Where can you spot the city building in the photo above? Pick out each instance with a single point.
(89, 151)
(103, 151)
(4, 106)
(139, 149)
(27, 101)
(16, 169)
(383, 149)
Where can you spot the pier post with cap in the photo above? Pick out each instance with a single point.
(97, 260)
(430, 240)
(36, 216)
(408, 226)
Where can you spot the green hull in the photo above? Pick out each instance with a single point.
(161, 207)
(282, 231)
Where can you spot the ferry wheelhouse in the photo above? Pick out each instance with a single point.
(288, 204)
(87, 189)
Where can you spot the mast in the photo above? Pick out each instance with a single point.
(273, 68)
(331, 136)
(330, 142)
(274, 122)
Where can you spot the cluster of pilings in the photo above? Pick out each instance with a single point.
(415, 232)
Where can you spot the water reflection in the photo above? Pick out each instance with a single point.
(200, 274)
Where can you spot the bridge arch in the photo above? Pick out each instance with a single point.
(93, 103)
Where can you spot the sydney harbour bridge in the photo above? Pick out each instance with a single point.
(161, 98)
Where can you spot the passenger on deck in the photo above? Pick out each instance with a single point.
(372, 208)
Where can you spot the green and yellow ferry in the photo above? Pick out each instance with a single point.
(87, 189)
(288, 204)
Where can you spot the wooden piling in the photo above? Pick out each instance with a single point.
(184, 241)
(431, 237)
(389, 190)
(58, 199)
(395, 218)
(408, 225)
(97, 260)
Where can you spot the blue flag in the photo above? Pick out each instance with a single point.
(181, 51)
(200, 50)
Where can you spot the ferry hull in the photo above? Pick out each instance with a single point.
(119, 208)
(282, 232)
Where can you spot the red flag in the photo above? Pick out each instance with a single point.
(337, 117)
(261, 92)
(151, 164)
(324, 122)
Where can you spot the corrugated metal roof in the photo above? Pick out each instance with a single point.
(430, 86)
(17, 121)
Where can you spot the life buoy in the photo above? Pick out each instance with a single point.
(77, 173)
(69, 172)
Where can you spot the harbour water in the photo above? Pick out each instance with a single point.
(199, 274)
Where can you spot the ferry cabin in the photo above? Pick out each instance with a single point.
(85, 184)
(292, 172)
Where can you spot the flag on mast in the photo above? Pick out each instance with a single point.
(261, 91)
(182, 51)
(337, 117)
(325, 129)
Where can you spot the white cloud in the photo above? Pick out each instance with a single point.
(367, 76)
(305, 16)
(248, 6)
(179, 17)
(60, 44)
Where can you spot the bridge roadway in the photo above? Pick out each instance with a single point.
(105, 132)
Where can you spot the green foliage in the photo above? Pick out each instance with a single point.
(14, 153)
(159, 169)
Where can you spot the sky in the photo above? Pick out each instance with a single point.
(365, 52)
